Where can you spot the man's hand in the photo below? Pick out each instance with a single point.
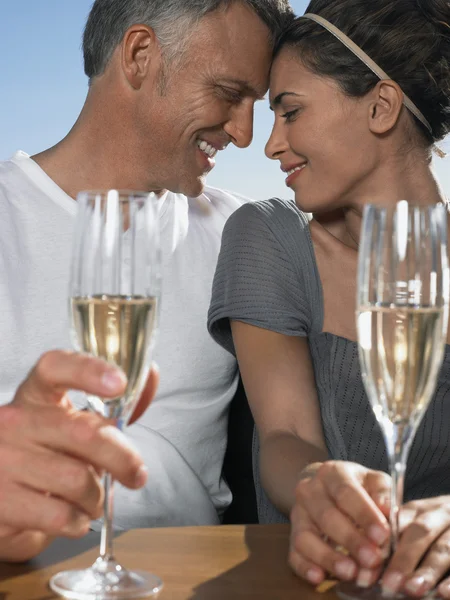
(52, 456)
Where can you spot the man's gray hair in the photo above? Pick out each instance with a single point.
(171, 20)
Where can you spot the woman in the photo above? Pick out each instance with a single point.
(345, 134)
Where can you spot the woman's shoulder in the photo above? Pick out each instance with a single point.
(278, 218)
(267, 210)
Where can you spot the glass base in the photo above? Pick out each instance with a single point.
(348, 590)
(110, 583)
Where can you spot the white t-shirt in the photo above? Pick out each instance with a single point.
(182, 436)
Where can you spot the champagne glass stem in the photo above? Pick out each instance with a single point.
(106, 559)
(398, 447)
(106, 541)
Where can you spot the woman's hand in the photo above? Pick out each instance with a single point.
(422, 557)
(340, 504)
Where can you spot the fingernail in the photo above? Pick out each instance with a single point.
(155, 367)
(78, 526)
(365, 577)
(314, 576)
(345, 569)
(416, 584)
(141, 476)
(391, 583)
(383, 499)
(113, 380)
(444, 590)
(368, 557)
(378, 534)
(385, 552)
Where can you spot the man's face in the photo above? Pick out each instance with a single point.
(207, 101)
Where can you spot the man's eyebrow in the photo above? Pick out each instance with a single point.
(277, 100)
(246, 88)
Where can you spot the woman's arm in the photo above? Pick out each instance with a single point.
(330, 503)
(279, 381)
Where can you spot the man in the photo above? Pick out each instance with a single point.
(171, 84)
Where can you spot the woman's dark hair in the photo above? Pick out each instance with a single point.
(408, 39)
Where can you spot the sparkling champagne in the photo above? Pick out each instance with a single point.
(119, 329)
(401, 352)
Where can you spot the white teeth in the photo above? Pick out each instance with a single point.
(207, 148)
(296, 169)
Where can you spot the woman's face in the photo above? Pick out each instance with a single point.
(320, 136)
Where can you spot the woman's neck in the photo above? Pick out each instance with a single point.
(413, 181)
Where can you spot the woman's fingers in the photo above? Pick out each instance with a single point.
(337, 502)
(331, 521)
(334, 509)
(422, 556)
(434, 566)
(352, 489)
(312, 557)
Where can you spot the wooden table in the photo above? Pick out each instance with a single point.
(196, 563)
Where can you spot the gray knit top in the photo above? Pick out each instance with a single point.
(267, 276)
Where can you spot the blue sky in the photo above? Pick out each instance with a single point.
(43, 89)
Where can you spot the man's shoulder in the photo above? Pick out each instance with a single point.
(8, 169)
(222, 203)
(234, 199)
(9, 176)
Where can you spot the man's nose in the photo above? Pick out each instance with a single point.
(240, 125)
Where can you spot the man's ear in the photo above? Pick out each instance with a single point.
(385, 107)
(141, 54)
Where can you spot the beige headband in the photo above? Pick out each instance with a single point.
(368, 62)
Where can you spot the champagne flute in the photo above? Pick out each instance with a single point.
(402, 314)
(114, 297)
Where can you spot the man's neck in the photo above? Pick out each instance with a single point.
(96, 154)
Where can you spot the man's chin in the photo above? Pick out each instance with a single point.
(193, 188)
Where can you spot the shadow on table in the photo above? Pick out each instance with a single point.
(60, 550)
(265, 573)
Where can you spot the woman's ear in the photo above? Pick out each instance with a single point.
(385, 107)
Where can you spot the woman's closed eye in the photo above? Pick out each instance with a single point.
(290, 115)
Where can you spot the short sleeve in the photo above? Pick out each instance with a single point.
(266, 273)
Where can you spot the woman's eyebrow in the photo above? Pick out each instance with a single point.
(277, 100)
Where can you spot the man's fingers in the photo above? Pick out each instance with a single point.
(58, 371)
(23, 545)
(147, 395)
(82, 435)
(6, 531)
(56, 474)
(96, 441)
(24, 509)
